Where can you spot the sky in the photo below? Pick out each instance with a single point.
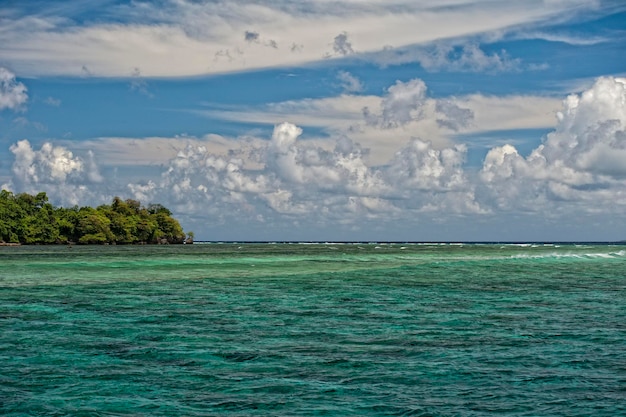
(319, 120)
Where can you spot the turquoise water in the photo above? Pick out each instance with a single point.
(304, 330)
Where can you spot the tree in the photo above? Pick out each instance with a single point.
(41, 226)
(94, 227)
(169, 228)
(67, 222)
(29, 219)
(157, 208)
(11, 215)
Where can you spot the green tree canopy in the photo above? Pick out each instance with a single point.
(31, 219)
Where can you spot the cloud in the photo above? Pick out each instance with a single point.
(418, 165)
(92, 169)
(470, 58)
(12, 93)
(196, 180)
(340, 170)
(341, 45)
(490, 113)
(453, 116)
(84, 72)
(583, 161)
(449, 57)
(385, 123)
(579, 167)
(563, 38)
(254, 37)
(154, 151)
(251, 36)
(24, 122)
(381, 124)
(296, 47)
(138, 84)
(403, 103)
(512, 112)
(285, 181)
(51, 101)
(50, 163)
(180, 38)
(53, 169)
(349, 83)
(297, 181)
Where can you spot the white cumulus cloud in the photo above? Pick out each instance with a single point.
(297, 179)
(53, 169)
(286, 182)
(582, 162)
(403, 103)
(579, 166)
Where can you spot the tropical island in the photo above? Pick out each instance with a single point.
(31, 219)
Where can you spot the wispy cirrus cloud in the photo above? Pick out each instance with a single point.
(182, 38)
(564, 37)
(459, 55)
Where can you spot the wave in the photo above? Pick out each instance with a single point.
(576, 255)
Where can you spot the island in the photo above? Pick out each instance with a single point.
(30, 219)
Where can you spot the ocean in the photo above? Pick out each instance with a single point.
(329, 329)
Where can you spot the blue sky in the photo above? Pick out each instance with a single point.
(319, 120)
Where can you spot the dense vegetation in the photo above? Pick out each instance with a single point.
(31, 219)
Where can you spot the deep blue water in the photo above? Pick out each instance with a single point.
(303, 330)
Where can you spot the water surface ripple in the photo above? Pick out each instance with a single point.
(306, 330)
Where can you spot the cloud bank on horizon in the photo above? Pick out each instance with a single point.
(468, 120)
